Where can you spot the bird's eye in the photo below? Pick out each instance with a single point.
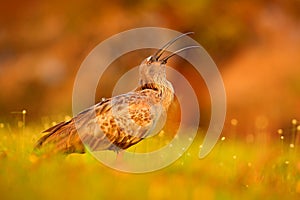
(149, 60)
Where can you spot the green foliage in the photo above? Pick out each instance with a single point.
(234, 170)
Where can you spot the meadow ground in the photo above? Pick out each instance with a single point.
(234, 170)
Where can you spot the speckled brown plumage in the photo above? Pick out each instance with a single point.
(118, 122)
(100, 129)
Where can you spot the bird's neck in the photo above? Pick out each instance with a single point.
(164, 89)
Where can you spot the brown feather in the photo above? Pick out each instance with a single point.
(64, 137)
(119, 122)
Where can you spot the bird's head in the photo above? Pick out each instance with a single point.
(153, 69)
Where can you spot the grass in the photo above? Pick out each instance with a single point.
(234, 170)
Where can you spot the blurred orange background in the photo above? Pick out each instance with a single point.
(255, 44)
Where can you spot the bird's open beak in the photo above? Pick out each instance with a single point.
(159, 53)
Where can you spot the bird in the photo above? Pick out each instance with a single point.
(121, 121)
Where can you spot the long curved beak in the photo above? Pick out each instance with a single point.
(159, 53)
(165, 59)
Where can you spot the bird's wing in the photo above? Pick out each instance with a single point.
(116, 123)
(120, 122)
